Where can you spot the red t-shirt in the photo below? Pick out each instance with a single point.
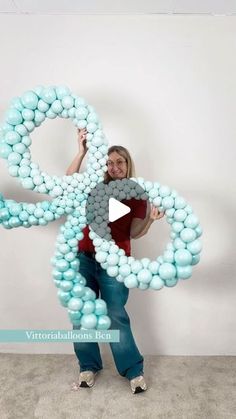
(120, 229)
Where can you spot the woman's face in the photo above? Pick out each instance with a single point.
(117, 166)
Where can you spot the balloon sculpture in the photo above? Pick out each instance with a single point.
(70, 195)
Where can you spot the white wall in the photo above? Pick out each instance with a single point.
(165, 88)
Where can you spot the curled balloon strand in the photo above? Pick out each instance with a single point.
(71, 195)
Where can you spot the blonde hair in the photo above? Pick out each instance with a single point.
(122, 151)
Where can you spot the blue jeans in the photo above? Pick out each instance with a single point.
(128, 360)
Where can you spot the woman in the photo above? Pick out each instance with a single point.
(128, 360)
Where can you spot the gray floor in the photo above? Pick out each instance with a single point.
(38, 386)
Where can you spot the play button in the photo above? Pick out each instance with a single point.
(104, 204)
(117, 209)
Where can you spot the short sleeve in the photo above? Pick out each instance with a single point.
(139, 209)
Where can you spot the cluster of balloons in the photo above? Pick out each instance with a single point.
(70, 195)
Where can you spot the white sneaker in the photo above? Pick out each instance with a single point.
(138, 384)
(87, 378)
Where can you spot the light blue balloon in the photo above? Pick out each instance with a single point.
(15, 209)
(184, 272)
(14, 158)
(195, 259)
(43, 106)
(183, 257)
(57, 106)
(171, 282)
(187, 235)
(75, 303)
(88, 307)
(62, 91)
(21, 129)
(191, 221)
(28, 114)
(157, 283)
(48, 95)
(180, 215)
(131, 281)
(14, 117)
(67, 102)
(100, 307)
(5, 150)
(167, 271)
(89, 321)
(29, 100)
(19, 148)
(194, 247)
(12, 137)
(103, 322)
(69, 275)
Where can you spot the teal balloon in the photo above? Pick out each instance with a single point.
(14, 117)
(100, 307)
(57, 106)
(4, 214)
(48, 95)
(171, 282)
(194, 247)
(180, 215)
(62, 265)
(89, 294)
(62, 91)
(131, 281)
(187, 235)
(67, 102)
(103, 322)
(88, 307)
(191, 221)
(15, 222)
(12, 137)
(184, 272)
(69, 275)
(64, 297)
(89, 321)
(43, 106)
(157, 283)
(57, 275)
(5, 150)
(39, 116)
(180, 202)
(15, 209)
(28, 114)
(195, 259)
(75, 303)
(78, 290)
(21, 129)
(74, 315)
(167, 271)
(183, 257)
(14, 158)
(168, 202)
(177, 226)
(29, 100)
(66, 285)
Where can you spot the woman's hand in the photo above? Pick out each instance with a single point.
(155, 214)
(82, 133)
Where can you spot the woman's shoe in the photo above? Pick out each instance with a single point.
(86, 379)
(138, 384)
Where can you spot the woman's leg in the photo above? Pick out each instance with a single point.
(88, 353)
(128, 360)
